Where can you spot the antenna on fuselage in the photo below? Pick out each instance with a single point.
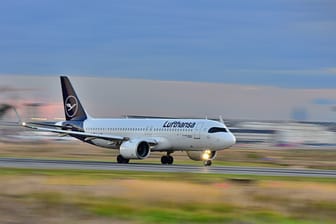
(221, 119)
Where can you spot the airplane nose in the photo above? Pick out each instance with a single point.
(228, 140)
(233, 139)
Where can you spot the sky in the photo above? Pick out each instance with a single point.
(277, 43)
(260, 59)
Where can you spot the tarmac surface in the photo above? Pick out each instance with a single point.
(97, 165)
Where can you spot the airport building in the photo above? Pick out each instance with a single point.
(284, 134)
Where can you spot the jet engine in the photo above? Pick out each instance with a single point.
(202, 155)
(135, 149)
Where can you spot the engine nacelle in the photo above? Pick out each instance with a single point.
(135, 149)
(202, 155)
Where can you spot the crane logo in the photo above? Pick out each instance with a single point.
(71, 106)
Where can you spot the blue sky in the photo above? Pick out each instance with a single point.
(285, 43)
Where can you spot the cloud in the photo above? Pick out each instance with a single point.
(324, 101)
(316, 27)
(311, 72)
(331, 71)
(302, 71)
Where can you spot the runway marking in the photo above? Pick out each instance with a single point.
(97, 165)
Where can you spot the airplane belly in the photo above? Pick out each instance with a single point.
(103, 143)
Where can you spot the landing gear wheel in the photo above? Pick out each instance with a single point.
(170, 160)
(121, 159)
(207, 162)
(164, 159)
(167, 160)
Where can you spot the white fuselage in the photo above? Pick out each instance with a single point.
(171, 134)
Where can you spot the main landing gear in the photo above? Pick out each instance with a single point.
(121, 159)
(168, 159)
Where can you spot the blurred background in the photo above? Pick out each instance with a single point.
(259, 116)
(267, 67)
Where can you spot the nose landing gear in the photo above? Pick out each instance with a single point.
(206, 156)
(207, 162)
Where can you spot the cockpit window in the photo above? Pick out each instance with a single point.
(217, 129)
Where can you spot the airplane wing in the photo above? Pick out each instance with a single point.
(47, 123)
(9, 123)
(90, 136)
(87, 136)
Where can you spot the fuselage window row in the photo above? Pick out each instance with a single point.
(143, 129)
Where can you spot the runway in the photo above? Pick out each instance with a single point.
(95, 165)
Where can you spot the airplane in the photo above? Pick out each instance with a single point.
(136, 138)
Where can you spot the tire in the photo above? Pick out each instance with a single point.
(170, 160)
(164, 159)
(121, 159)
(207, 162)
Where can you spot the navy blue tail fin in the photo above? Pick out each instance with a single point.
(72, 107)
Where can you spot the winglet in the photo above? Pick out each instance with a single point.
(20, 122)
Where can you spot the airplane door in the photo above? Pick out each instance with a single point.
(197, 130)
